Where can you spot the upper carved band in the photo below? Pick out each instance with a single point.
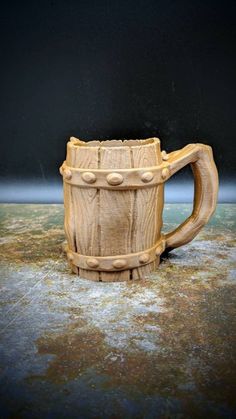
(132, 178)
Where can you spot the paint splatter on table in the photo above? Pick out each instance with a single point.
(163, 347)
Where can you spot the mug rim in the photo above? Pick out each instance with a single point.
(76, 142)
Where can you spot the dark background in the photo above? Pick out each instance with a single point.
(113, 69)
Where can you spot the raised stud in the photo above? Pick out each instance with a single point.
(92, 263)
(164, 173)
(67, 174)
(89, 177)
(61, 170)
(115, 178)
(164, 155)
(147, 177)
(70, 256)
(119, 263)
(158, 252)
(144, 258)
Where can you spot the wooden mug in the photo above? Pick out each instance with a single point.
(114, 197)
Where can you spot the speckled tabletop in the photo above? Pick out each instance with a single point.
(162, 347)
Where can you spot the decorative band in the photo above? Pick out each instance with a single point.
(117, 262)
(119, 179)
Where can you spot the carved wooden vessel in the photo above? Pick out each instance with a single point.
(114, 197)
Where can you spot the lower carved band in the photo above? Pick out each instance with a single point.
(117, 262)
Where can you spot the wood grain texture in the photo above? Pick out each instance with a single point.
(85, 202)
(146, 218)
(116, 210)
(69, 219)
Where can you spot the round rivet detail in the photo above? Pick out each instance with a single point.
(119, 263)
(165, 173)
(158, 252)
(144, 258)
(164, 155)
(92, 263)
(115, 178)
(67, 174)
(147, 177)
(89, 177)
(70, 256)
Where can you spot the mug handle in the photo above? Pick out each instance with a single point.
(200, 157)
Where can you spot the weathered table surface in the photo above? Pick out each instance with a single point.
(163, 347)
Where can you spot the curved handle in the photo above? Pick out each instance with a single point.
(205, 173)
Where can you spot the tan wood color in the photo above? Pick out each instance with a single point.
(114, 197)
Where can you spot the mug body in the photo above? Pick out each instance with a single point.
(104, 218)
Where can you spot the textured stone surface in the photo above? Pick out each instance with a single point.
(162, 347)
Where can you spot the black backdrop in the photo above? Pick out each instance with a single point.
(114, 69)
